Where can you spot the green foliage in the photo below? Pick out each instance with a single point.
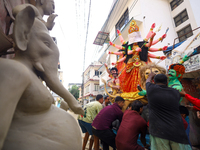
(74, 91)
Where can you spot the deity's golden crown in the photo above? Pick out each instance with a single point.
(133, 27)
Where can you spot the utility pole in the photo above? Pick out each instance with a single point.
(84, 53)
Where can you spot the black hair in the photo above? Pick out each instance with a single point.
(160, 78)
(136, 105)
(119, 98)
(99, 96)
(183, 110)
(106, 97)
(114, 68)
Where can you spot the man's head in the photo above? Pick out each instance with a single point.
(137, 106)
(160, 79)
(176, 71)
(114, 72)
(184, 111)
(99, 98)
(107, 99)
(120, 101)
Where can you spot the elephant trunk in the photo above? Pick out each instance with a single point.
(55, 85)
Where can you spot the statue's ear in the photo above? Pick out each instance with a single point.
(179, 75)
(23, 24)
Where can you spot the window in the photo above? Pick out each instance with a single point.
(122, 21)
(87, 89)
(97, 73)
(180, 18)
(185, 33)
(96, 87)
(175, 3)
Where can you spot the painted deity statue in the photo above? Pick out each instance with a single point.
(133, 55)
(29, 120)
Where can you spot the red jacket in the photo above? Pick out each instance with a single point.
(194, 101)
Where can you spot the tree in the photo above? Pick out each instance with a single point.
(74, 91)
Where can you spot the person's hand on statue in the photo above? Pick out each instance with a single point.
(198, 114)
(50, 21)
(189, 107)
(182, 93)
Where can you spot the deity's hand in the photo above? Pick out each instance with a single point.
(164, 48)
(114, 64)
(109, 52)
(153, 25)
(50, 21)
(110, 43)
(138, 49)
(164, 36)
(162, 57)
(118, 32)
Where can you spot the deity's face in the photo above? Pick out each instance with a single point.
(49, 7)
(172, 74)
(154, 70)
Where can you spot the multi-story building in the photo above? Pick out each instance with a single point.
(180, 16)
(91, 83)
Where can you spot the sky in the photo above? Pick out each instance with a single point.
(70, 31)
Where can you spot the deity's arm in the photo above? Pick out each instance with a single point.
(120, 37)
(116, 53)
(158, 49)
(12, 86)
(120, 60)
(117, 46)
(157, 57)
(150, 32)
(151, 40)
(160, 39)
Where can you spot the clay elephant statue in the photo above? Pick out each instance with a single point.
(29, 120)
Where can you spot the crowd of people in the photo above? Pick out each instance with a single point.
(165, 129)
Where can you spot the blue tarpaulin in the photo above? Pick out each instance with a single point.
(170, 47)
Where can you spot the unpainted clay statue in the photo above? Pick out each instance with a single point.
(29, 120)
(46, 7)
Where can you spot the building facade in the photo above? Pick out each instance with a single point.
(91, 83)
